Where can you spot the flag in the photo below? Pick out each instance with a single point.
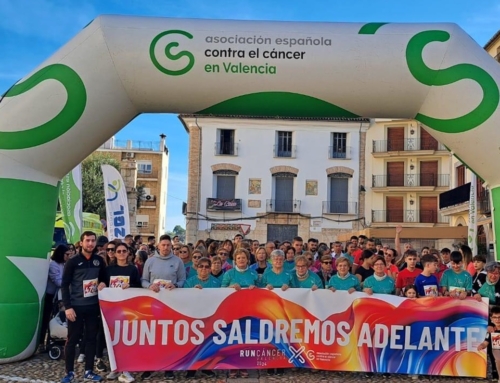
(70, 200)
(472, 236)
(116, 203)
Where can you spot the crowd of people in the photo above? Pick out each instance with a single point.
(362, 264)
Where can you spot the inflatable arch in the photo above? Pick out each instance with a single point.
(118, 67)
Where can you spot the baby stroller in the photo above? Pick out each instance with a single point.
(58, 331)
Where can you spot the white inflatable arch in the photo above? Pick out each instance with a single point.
(118, 67)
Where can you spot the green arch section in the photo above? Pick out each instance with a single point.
(60, 124)
(370, 28)
(272, 104)
(441, 77)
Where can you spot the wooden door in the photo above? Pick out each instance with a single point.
(428, 209)
(427, 142)
(428, 173)
(395, 173)
(394, 209)
(395, 139)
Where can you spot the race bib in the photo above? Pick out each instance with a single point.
(89, 288)
(162, 283)
(117, 281)
(495, 340)
(431, 290)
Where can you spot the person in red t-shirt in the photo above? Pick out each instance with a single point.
(407, 276)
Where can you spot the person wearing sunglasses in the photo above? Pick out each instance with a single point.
(326, 269)
(110, 249)
(197, 254)
(224, 255)
(310, 260)
(303, 278)
(121, 275)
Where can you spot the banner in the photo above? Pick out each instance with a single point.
(116, 203)
(222, 328)
(472, 237)
(70, 200)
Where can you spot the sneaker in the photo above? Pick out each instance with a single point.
(113, 375)
(280, 372)
(91, 377)
(125, 377)
(169, 375)
(270, 372)
(146, 375)
(190, 374)
(100, 365)
(81, 358)
(68, 378)
(208, 373)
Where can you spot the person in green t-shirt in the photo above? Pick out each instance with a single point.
(456, 282)
(344, 280)
(303, 278)
(379, 282)
(276, 276)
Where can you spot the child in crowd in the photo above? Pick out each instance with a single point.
(407, 276)
(411, 292)
(479, 276)
(456, 282)
(494, 337)
(427, 283)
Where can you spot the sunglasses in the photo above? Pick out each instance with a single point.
(196, 257)
(327, 263)
(110, 249)
(223, 254)
(203, 267)
(183, 251)
(121, 251)
(309, 259)
(176, 248)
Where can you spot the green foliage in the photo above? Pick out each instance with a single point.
(93, 182)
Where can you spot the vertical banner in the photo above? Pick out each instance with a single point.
(115, 194)
(70, 199)
(472, 237)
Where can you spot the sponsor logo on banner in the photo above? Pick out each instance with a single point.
(117, 216)
(70, 200)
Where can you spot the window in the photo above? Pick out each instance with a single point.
(284, 147)
(339, 145)
(145, 167)
(225, 145)
(284, 192)
(460, 175)
(142, 220)
(226, 185)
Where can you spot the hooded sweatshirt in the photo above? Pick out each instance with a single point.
(160, 269)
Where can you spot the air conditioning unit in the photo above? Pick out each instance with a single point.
(149, 197)
(139, 224)
(129, 155)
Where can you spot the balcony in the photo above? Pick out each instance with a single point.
(226, 149)
(144, 174)
(339, 153)
(455, 197)
(282, 206)
(414, 145)
(340, 207)
(483, 203)
(147, 204)
(285, 151)
(408, 216)
(218, 204)
(145, 228)
(410, 181)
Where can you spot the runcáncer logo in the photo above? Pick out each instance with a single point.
(170, 55)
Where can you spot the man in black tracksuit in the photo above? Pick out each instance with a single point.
(82, 274)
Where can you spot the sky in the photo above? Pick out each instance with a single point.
(32, 30)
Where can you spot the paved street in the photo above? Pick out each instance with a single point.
(41, 369)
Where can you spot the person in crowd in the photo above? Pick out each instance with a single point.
(491, 288)
(411, 292)
(100, 245)
(81, 276)
(407, 276)
(203, 278)
(343, 280)
(152, 240)
(71, 249)
(365, 244)
(425, 250)
(138, 240)
(479, 275)
(176, 248)
(323, 249)
(270, 246)
(349, 254)
(141, 257)
(175, 240)
(326, 269)
(261, 265)
(277, 276)
(445, 256)
(163, 271)
(255, 246)
(289, 258)
(245, 245)
(441, 266)
(78, 247)
(131, 255)
(427, 283)
(456, 282)
(310, 259)
(56, 267)
(312, 246)
(285, 245)
(354, 241)
(184, 254)
(212, 248)
(237, 239)
(240, 276)
(129, 240)
(397, 245)
(391, 269)
(467, 258)
(298, 245)
(228, 245)
(200, 244)
(303, 278)
(217, 271)
(379, 282)
(487, 343)
(365, 270)
(197, 254)
(121, 274)
(224, 255)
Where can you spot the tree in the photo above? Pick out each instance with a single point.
(180, 231)
(93, 182)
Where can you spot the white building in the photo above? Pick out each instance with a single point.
(274, 178)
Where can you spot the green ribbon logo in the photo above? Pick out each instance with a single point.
(170, 55)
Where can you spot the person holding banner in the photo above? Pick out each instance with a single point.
(163, 271)
(277, 277)
(493, 339)
(217, 271)
(379, 282)
(203, 279)
(343, 280)
(305, 279)
(122, 275)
